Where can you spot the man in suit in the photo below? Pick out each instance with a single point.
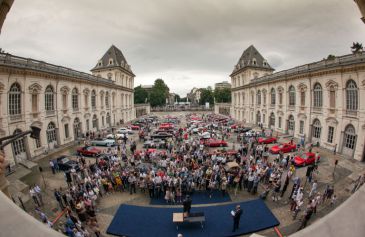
(236, 217)
(187, 204)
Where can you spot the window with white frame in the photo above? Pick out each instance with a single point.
(93, 99)
(107, 99)
(259, 97)
(95, 121)
(49, 99)
(351, 96)
(75, 99)
(291, 96)
(350, 137)
(273, 96)
(15, 99)
(51, 132)
(317, 95)
(18, 145)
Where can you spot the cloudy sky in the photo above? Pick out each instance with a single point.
(190, 43)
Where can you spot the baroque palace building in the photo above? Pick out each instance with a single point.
(63, 102)
(321, 102)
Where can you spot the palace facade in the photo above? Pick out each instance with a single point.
(63, 102)
(321, 102)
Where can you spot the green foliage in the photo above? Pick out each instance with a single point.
(177, 98)
(140, 95)
(159, 93)
(356, 47)
(222, 95)
(331, 57)
(206, 95)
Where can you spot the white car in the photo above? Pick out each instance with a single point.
(124, 131)
(117, 136)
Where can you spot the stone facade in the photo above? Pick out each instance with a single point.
(321, 102)
(63, 102)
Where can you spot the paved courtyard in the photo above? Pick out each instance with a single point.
(346, 171)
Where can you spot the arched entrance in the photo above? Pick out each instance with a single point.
(19, 148)
(272, 121)
(349, 141)
(77, 128)
(258, 118)
(291, 125)
(51, 135)
(108, 120)
(316, 131)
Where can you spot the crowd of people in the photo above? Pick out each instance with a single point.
(185, 166)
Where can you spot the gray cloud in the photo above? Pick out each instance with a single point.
(187, 43)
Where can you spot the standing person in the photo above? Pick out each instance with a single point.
(38, 192)
(313, 189)
(58, 197)
(236, 217)
(33, 194)
(51, 164)
(187, 204)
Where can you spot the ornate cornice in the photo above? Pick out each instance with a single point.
(331, 83)
(35, 88)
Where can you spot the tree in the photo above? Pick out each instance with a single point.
(159, 93)
(140, 95)
(356, 47)
(206, 95)
(222, 95)
(177, 98)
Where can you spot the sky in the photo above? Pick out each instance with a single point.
(190, 43)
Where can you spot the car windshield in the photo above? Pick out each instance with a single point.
(65, 160)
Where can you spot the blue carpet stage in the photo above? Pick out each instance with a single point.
(198, 197)
(139, 221)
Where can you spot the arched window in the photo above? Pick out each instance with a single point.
(317, 128)
(107, 99)
(317, 95)
(49, 99)
(15, 104)
(273, 96)
(302, 98)
(108, 120)
(75, 99)
(350, 137)
(291, 123)
(95, 121)
(258, 117)
(243, 98)
(77, 128)
(18, 145)
(93, 99)
(252, 98)
(272, 120)
(264, 95)
(291, 96)
(51, 132)
(259, 97)
(351, 96)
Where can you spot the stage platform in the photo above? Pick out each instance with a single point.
(139, 221)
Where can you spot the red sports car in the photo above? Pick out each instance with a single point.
(267, 140)
(135, 127)
(211, 142)
(88, 151)
(305, 159)
(286, 147)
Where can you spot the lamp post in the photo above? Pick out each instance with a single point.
(4, 141)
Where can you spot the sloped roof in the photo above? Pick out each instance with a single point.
(117, 57)
(252, 58)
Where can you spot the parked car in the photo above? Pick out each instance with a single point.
(242, 130)
(117, 136)
(161, 135)
(204, 135)
(65, 164)
(103, 142)
(286, 147)
(211, 142)
(307, 158)
(88, 151)
(155, 143)
(125, 130)
(267, 140)
(135, 127)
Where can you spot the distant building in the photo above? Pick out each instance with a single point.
(171, 99)
(194, 96)
(222, 85)
(148, 88)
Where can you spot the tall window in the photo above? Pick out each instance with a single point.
(49, 99)
(35, 102)
(243, 98)
(351, 96)
(317, 95)
(38, 143)
(302, 98)
(107, 99)
(317, 129)
(291, 96)
(350, 137)
(64, 101)
(67, 132)
(301, 127)
(279, 125)
(332, 97)
(77, 128)
(108, 119)
(87, 125)
(51, 132)
(264, 95)
(18, 145)
(280, 98)
(259, 97)
(15, 100)
(272, 119)
(95, 121)
(102, 99)
(291, 123)
(75, 99)
(331, 131)
(93, 99)
(273, 96)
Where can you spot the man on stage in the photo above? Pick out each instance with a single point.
(236, 214)
(187, 204)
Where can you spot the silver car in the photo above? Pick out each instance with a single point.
(103, 142)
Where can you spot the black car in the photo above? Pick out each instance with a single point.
(161, 135)
(65, 164)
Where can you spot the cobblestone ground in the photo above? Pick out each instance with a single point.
(346, 171)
